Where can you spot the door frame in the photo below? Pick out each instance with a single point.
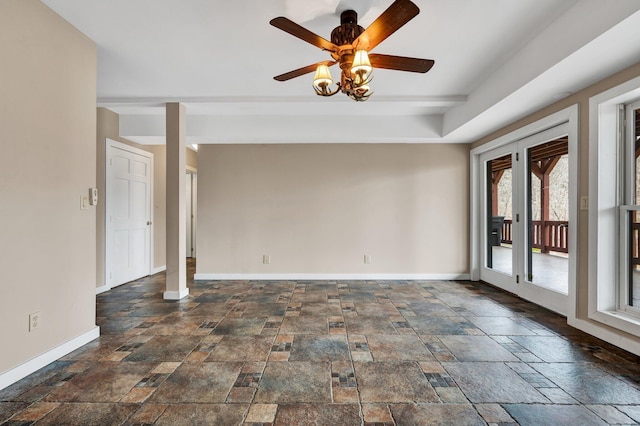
(477, 220)
(192, 208)
(110, 143)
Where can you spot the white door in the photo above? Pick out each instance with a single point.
(128, 213)
(194, 213)
(189, 219)
(192, 210)
(525, 249)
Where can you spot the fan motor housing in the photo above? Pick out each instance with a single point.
(348, 31)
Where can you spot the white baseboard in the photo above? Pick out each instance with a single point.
(176, 295)
(23, 370)
(102, 289)
(158, 269)
(607, 335)
(319, 277)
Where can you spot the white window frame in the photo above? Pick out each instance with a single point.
(627, 189)
(606, 143)
(625, 223)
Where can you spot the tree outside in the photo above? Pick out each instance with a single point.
(558, 193)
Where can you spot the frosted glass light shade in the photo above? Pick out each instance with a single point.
(361, 63)
(322, 77)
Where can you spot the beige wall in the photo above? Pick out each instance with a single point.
(318, 209)
(47, 126)
(192, 159)
(582, 99)
(108, 126)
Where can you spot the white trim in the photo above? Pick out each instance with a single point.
(152, 219)
(102, 289)
(158, 269)
(617, 339)
(318, 277)
(604, 200)
(194, 213)
(126, 147)
(23, 370)
(545, 123)
(110, 143)
(176, 295)
(574, 205)
(474, 215)
(626, 310)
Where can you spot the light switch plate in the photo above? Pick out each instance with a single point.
(84, 203)
(584, 203)
(93, 196)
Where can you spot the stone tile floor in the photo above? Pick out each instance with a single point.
(329, 353)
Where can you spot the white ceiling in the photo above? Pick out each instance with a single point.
(496, 61)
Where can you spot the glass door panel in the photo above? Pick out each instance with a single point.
(499, 215)
(497, 211)
(547, 211)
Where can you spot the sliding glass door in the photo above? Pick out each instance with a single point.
(525, 240)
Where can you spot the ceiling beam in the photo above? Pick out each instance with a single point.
(566, 64)
(282, 129)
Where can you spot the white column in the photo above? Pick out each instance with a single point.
(176, 287)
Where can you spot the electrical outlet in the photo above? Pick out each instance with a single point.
(367, 259)
(266, 259)
(34, 321)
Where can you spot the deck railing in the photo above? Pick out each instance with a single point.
(549, 235)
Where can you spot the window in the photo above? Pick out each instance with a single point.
(629, 294)
(614, 208)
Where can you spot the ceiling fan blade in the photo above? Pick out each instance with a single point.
(399, 13)
(301, 71)
(287, 25)
(400, 63)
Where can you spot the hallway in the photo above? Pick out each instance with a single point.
(327, 352)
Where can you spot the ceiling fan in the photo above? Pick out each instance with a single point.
(349, 47)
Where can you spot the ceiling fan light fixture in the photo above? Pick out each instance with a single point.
(322, 80)
(322, 77)
(349, 46)
(361, 93)
(361, 68)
